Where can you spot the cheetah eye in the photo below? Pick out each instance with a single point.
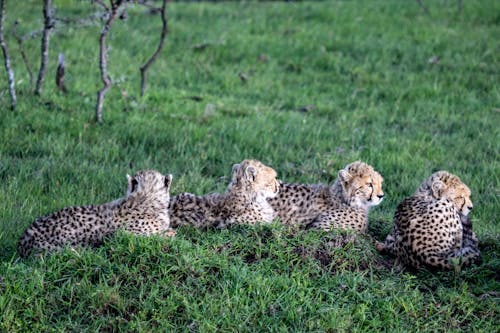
(370, 185)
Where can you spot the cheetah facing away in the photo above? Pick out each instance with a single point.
(343, 205)
(432, 228)
(143, 211)
(244, 202)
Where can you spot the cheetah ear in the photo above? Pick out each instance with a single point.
(168, 181)
(250, 173)
(235, 167)
(129, 184)
(437, 188)
(344, 176)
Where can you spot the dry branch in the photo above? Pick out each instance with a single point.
(103, 58)
(8, 68)
(60, 73)
(20, 42)
(164, 32)
(47, 26)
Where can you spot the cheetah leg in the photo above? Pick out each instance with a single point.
(169, 233)
(438, 260)
(465, 256)
(387, 246)
(468, 255)
(379, 246)
(321, 222)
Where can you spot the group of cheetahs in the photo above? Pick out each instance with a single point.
(431, 228)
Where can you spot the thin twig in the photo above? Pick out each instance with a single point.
(32, 34)
(20, 42)
(47, 26)
(82, 22)
(103, 59)
(8, 68)
(164, 32)
(102, 4)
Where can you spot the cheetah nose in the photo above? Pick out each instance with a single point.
(470, 207)
(380, 196)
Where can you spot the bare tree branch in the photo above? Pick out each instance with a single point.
(164, 32)
(424, 8)
(20, 42)
(8, 68)
(47, 26)
(103, 59)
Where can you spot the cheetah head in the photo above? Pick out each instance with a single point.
(148, 182)
(361, 185)
(254, 178)
(443, 184)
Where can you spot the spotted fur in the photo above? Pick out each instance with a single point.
(244, 202)
(143, 211)
(432, 228)
(343, 205)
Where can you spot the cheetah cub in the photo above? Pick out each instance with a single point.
(143, 211)
(343, 205)
(244, 202)
(432, 228)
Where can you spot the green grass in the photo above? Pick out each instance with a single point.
(362, 65)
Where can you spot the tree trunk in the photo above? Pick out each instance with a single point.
(8, 68)
(103, 60)
(47, 26)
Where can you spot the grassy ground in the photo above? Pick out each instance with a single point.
(359, 69)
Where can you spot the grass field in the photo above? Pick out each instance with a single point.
(326, 83)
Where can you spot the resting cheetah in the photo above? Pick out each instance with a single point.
(343, 205)
(143, 211)
(431, 228)
(244, 201)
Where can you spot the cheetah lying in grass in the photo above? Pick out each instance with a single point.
(143, 211)
(343, 205)
(244, 202)
(432, 228)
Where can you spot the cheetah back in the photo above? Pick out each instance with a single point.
(426, 232)
(71, 226)
(299, 204)
(198, 211)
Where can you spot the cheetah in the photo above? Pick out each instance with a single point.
(244, 202)
(143, 211)
(342, 205)
(432, 228)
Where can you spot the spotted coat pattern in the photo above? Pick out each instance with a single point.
(143, 211)
(432, 228)
(244, 202)
(343, 205)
